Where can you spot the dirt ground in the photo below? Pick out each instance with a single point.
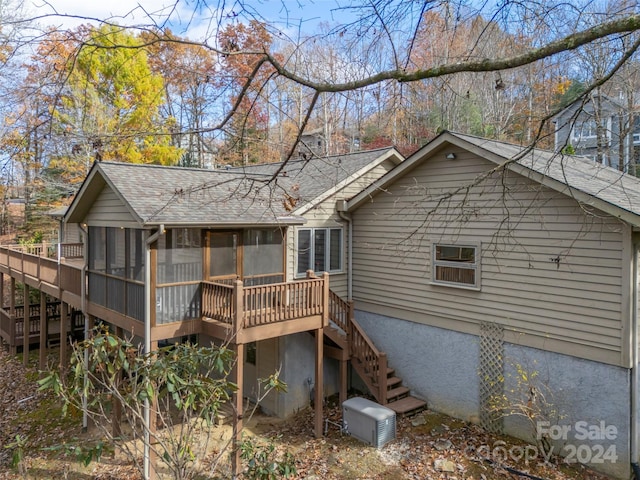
(427, 446)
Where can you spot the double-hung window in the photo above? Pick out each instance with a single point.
(319, 249)
(456, 265)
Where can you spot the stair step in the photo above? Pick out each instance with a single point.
(393, 381)
(406, 405)
(397, 392)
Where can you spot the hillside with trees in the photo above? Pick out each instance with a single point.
(390, 73)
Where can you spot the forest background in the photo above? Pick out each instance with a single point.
(144, 87)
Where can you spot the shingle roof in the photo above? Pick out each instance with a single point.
(249, 195)
(582, 174)
(589, 182)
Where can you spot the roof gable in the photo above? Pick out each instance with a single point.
(607, 189)
(254, 195)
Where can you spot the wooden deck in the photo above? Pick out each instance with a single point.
(246, 314)
(230, 312)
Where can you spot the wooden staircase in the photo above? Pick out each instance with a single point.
(370, 364)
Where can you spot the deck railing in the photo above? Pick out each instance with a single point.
(12, 327)
(340, 311)
(368, 361)
(263, 304)
(41, 262)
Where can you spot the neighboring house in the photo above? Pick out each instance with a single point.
(598, 127)
(483, 269)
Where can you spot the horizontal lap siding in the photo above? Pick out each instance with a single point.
(109, 211)
(325, 215)
(523, 228)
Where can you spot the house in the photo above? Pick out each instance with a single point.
(485, 270)
(598, 127)
(470, 272)
(243, 256)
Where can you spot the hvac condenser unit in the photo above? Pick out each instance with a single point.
(368, 421)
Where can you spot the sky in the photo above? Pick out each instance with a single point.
(191, 18)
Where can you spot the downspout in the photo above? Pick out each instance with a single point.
(147, 344)
(83, 307)
(341, 208)
(635, 375)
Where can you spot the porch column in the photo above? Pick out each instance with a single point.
(64, 328)
(26, 325)
(318, 398)
(237, 375)
(44, 331)
(12, 318)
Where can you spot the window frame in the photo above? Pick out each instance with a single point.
(475, 266)
(328, 260)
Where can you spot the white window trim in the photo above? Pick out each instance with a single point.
(467, 266)
(327, 251)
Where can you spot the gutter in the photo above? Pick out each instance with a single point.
(341, 207)
(635, 374)
(147, 343)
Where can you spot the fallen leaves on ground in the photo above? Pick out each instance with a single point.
(427, 446)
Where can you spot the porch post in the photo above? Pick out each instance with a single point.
(64, 323)
(44, 331)
(238, 405)
(26, 325)
(238, 291)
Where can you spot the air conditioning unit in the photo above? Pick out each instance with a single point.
(368, 421)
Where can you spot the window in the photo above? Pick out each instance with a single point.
(319, 249)
(456, 265)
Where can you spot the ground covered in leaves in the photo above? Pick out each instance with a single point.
(427, 446)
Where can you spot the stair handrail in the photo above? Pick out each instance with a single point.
(371, 363)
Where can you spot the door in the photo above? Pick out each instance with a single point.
(224, 262)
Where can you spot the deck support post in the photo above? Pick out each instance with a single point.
(2, 303)
(64, 328)
(12, 318)
(342, 394)
(319, 383)
(26, 325)
(154, 457)
(116, 413)
(238, 406)
(44, 331)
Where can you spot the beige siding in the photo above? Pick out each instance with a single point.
(109, 211)
(324, 214)
(573, 306)
(71, 233)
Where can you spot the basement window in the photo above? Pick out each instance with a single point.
(456, 265)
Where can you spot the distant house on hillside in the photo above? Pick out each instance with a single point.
(598, 127)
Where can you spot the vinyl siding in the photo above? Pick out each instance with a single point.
(574, 306)
(324, 215)
(109, 211)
